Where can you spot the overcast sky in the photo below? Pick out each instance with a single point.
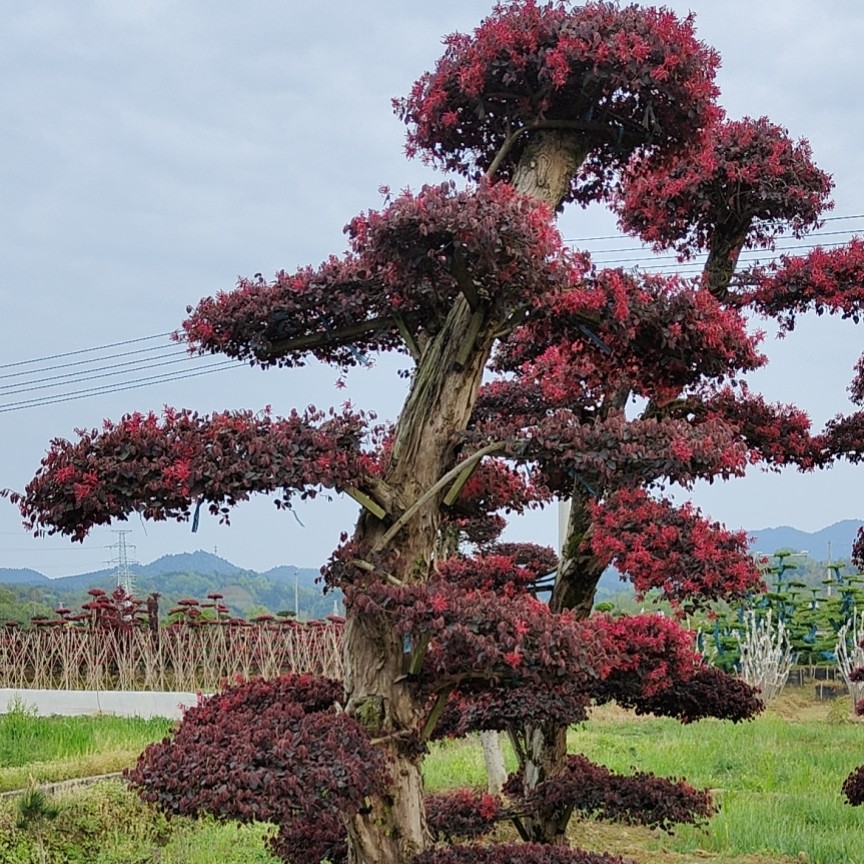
(154, 150)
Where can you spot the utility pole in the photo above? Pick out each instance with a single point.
(121, 561)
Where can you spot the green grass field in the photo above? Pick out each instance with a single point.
(777, 780)
(59, 748)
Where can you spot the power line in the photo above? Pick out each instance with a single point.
(120, 387)
(78, 378)
(757, 252)
(89, 369)
(84, 350)
(622, 235)
(84, 362)
(644, 247)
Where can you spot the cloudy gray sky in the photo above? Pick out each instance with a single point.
(153, 150)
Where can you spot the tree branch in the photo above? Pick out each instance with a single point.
(333, 336)
(365, 501)
(429, 494)
(463, 278)
(408, 336)
(563, 125)
(434, 714)
(504, 149)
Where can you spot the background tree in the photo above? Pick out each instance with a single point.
(540, 106)
(824, 281)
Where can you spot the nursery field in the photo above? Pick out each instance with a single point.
(777, 780)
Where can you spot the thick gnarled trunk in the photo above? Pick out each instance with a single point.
(723, 255)
(438, 408)
(548, 164)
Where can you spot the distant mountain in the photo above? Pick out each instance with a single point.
(834, 542)
(189, 562)
(10, 576)
(194, 574)
(306, 577)
(197, 574)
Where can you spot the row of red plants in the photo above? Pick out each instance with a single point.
(116, 642)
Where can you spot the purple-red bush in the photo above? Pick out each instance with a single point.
(592, 789)
(470, 639)
(277, 751)
(749, 180)
(672, 548)
(159, 466)
(501, 708)
(655, 669)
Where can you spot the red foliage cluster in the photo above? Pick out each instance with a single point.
(858, 550)
(522, 853)
(647, 653)
(618, 452)
(708, 692)
(462, 813)
(844, 436)
(592, 789)
(656, 670)
(475, 637)
(275, 751)
(775, 434)
(824, 280)
(117, 611)
(652, 667)
(655, 335)
(747, 183)
(856, 388)
(493, 486)
(617, 79)
(506, 569)
(503, 708)
(160, 467)
(540, 560)
(672, 549)
(853, 787)
(407, 264)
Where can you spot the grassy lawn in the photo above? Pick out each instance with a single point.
(777, 780)
(34, 748)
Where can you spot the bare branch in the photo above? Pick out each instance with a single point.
(335, 336)
(463, 278)
(429, 494)
(410, 342)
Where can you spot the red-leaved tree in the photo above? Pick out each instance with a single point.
(540, 106)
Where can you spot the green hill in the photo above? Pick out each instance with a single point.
(175, 577)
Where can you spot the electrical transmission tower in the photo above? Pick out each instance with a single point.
(121, 561)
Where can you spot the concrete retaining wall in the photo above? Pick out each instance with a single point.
(124, 703)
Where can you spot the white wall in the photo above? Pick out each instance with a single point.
(124, 703)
